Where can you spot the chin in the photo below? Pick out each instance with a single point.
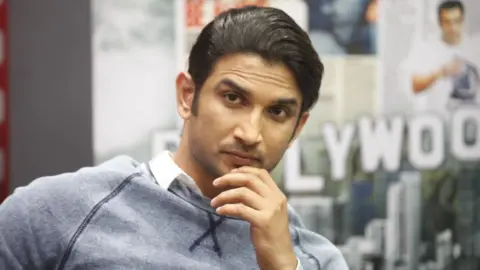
(220, 168)
(225, 167)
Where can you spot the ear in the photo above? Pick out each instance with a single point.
(185, 93)
(300, 125)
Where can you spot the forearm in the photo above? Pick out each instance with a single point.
(422, 82)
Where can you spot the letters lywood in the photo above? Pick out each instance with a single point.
(382, 142)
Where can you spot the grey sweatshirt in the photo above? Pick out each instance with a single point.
(116, 216)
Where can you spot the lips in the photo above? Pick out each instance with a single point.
(241, 159)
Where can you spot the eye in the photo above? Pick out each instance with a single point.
(232, 98)
(279, 112)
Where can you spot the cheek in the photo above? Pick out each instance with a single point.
(276, 142)
(215, 120)
(221, 115)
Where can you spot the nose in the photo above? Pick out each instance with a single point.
(248, 130)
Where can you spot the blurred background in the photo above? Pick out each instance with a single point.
(84, 81)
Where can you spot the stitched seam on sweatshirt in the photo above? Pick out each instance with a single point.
(297, 242)
(201, 208)
(89, 217)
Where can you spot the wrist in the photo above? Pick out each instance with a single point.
(282, 262)
(291, 263)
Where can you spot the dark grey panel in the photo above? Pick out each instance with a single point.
(50, 86)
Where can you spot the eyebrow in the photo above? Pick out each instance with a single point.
(233, 85)
(292, 102)
(287, 102)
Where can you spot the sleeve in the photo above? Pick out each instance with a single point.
(472, 82)
(476, 76)
(313, 251)
(18, 245)
(33, 230)
(476, 82)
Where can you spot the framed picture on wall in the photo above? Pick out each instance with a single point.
(165, 140)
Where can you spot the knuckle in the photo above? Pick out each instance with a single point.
(281, 204)
(254, 181)
(239, 208)
(269, 217)
(283, 200)
(262, 220)
(242, 193)
(278, 209)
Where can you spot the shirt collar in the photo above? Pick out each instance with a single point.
(165, 171)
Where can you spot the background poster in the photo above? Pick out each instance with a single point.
(359, 174)
(342, 27)
(436, 227)
(134, 83)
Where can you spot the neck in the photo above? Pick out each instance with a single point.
(184, 159)
(453, 42)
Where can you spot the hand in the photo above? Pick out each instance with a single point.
(452, 68)
(255, 197)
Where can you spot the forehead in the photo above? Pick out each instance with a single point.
(257, 75)
(451, 13)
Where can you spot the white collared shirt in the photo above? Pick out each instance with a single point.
(165, 171)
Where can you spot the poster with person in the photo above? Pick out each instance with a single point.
(429, 90)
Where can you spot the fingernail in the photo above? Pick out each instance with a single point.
(215, 183)
(212, 202)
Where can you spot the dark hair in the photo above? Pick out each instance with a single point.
(450, 4)
(265, 31)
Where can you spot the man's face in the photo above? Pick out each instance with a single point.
(451, 24)
(246, 116)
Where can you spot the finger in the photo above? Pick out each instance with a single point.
(262, 174)
(241, 211)
(242, 180)
(241, 195)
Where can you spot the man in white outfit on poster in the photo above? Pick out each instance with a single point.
(443, 72)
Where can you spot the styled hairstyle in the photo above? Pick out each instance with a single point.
(264, 31)
(450, 4)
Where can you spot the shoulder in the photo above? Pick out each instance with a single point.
(312, 249)
(38, 219)
(60, 194)
(425, 47)
(422, 57)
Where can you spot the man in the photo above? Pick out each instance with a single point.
(443, 76)
(253, 75)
